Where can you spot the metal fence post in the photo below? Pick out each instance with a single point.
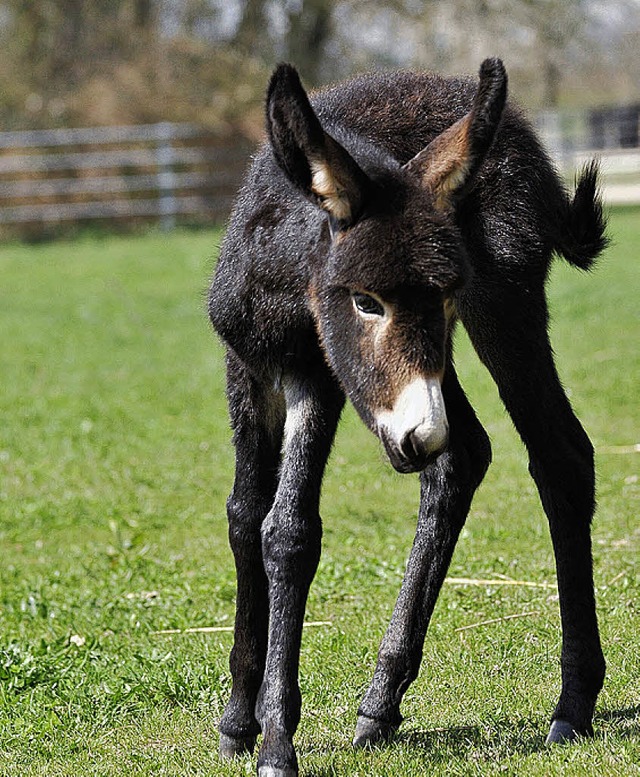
(166, 177)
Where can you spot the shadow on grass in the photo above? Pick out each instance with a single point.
(439, 744)
(619, 717)
(508, 737)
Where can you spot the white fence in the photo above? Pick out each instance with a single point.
(611, 135)
(167, 172)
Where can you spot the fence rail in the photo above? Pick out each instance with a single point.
(168, 172)
(97, 135)
(176, 172)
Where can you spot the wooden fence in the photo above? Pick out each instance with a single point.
(170, 173)
(179, 173)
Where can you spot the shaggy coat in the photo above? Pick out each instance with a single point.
(380, 213)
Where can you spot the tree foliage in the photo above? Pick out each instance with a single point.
(115, 61)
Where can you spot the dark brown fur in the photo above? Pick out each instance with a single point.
(380, 212)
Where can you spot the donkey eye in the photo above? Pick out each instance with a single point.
(367, 304)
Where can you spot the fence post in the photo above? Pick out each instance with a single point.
(166, 177)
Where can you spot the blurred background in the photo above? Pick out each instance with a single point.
(168, 93)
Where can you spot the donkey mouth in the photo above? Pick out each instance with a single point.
(415, 430)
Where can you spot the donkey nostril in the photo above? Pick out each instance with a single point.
(412, 452)
(410, 445)
(415, 448)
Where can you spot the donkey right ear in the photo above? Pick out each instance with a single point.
(316, 163)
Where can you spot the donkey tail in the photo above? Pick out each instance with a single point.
(583, 235)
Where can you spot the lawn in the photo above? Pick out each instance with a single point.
(115, 462)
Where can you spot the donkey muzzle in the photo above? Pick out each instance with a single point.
(415, 430)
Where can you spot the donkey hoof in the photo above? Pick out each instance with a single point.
(230, 747)
(370, 731)
(561, 733)
(276, 771)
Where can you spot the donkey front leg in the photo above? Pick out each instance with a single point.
(257, 417)
(291, 536)
(447, 488)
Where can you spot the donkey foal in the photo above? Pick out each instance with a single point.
(381, 212)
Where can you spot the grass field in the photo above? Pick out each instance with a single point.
(115, 462)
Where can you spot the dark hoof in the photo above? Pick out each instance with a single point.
(370, 732)
(561, 733)
(230, 747)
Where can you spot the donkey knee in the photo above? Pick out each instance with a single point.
(471, 459)
(565, 475)
(480, 455)
(245, 516)
(291, 547)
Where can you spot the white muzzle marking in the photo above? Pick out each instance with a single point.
(419, 409)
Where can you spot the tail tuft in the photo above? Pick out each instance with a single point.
(584, 232)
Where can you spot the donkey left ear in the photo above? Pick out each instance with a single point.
(316, 163)
(447, 165)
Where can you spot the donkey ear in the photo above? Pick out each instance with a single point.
(447, 165)
(312, 159)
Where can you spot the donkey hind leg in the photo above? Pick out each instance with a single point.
(447, 488)
(257, 416)
(518, 354)
(291, 535)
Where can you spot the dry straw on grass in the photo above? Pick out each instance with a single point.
(216, 629)
(498, 620)
(497, 582)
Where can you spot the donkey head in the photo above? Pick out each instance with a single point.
(382, 293)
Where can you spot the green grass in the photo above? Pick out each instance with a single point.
(115, 462)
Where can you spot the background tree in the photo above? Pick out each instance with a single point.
(114, 61)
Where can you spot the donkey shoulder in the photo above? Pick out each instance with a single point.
(257, 301)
